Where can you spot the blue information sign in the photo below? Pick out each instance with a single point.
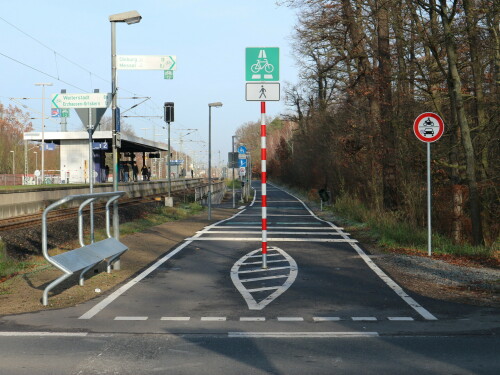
(242, 150)
(242, 163)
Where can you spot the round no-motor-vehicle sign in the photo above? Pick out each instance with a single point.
(428, 127)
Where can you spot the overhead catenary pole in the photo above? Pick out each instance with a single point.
(264, 182)
(43, 127)
(232, 167)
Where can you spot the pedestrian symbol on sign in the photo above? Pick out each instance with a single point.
(262, 92)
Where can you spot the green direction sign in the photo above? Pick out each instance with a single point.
(262, 64)
(146, 62)
(94, 100)
(168, 74)
(64, 112)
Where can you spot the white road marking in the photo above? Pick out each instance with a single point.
(290, 319)
(242, 207)
(269, 239)
(267, 269)
(213, 319)
(109, 299)
(247, 296)
(326, 318)
(131, 318)
(176, 318)
(270, 228)
(263, 289)
(388, 281)
(277, 215)
(300, 334)
(264, 278)
(272, 232)
(269, 261)
(43, 334)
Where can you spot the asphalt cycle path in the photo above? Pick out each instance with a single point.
(318, 282)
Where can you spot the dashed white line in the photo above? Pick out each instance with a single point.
(176, 318)
(213, 319)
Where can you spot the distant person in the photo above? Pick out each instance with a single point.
(126, 172)
(149, 173)
(135, 171)
(144, 172)
(106, 173)
(192, 173)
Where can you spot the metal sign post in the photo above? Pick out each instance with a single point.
(428, 127)
(263, 154)
(262, 74)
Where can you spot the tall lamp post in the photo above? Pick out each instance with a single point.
(43, 84)
(210, 105)
(129, 18)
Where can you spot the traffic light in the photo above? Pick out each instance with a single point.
(169, 111)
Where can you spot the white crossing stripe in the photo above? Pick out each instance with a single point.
(263, 289)
(264, 278)
(176, 318)
(131, 318)
(266, 269)
(252, 319)
(275, 239)
(213, 319)
(300, 334)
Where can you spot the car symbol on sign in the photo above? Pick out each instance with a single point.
(428, 131)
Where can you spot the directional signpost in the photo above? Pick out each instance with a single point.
(428, 127)
(138, 62)
(94, 100)
(262, 73)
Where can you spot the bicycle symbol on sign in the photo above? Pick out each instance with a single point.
(262, 64)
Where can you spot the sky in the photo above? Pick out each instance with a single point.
(68, 43)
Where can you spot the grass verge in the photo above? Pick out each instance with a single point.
(391, 232)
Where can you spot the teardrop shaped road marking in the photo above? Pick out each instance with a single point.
(253, 272)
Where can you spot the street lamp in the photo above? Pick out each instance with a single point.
(129, 18)
(13, 167)
(210, 105)
(43, 84)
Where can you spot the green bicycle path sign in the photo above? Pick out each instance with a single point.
(262, 64)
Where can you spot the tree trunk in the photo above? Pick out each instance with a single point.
(475, 207)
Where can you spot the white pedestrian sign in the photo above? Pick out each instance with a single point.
(263, 91)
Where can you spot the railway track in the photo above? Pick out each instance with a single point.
(32, 220)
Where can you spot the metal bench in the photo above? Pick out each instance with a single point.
(85, 257)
